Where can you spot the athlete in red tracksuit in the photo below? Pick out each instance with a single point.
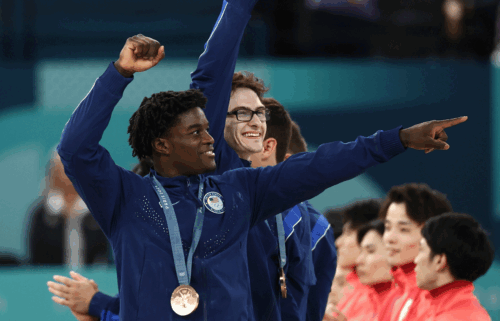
(447, 266)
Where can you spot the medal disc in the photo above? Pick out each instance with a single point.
(283, 284)
(184, 300)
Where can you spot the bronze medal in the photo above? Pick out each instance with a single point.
(184, 300)
(283, 283)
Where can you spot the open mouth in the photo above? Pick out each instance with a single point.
(209, 153)
(251, 135)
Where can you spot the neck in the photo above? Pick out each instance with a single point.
(258, 161)
(382, 286)
(443, 279)
(407, 267)
(269, 162)
(245, 155)
(456, 284)
(165, 168)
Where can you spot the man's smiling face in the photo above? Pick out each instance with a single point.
(245, 137)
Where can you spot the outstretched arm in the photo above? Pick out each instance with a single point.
(88, 165)
(305, 175)
(214, 73)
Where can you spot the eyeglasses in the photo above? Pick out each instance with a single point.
(247, 114)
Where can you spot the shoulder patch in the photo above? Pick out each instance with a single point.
(214, 203)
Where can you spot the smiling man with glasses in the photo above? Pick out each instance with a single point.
(244, 132)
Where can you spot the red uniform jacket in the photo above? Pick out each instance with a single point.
(451, 302)
(403, 295)
(362, 302)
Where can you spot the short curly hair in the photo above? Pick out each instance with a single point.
(157, 115)
(246, 79)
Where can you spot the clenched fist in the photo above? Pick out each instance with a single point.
(140, 53)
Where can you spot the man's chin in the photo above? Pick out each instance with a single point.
(210, 167)
(254, 148)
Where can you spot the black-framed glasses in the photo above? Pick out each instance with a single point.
(247, 114)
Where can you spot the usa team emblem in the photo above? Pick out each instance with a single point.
(213, 201)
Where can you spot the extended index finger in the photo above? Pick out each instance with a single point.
(452, 122)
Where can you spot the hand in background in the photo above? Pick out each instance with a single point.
(74, 293)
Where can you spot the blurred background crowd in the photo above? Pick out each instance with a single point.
(341, 67)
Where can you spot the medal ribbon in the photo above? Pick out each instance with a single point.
(182, 269)
(281, 238)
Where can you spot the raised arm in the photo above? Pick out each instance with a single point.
(214, 73)
(89, 165)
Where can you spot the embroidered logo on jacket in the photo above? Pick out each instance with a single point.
(213, 201)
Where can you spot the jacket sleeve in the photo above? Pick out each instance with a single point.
(305, 175)
(103, 303)
(109, 316)
(214, 73)
(97, 179)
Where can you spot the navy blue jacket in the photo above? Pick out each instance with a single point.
(128, 211)
(300, 270)
(324, 255)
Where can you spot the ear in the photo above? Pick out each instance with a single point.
(269, 150)
(161, 146)
(288, 155)
(441, 262)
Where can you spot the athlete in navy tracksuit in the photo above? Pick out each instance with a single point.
(262, 241)
(128, 211)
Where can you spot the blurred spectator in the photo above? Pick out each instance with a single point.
(408, 28)
(300, 29)
(497, 29)
(7, 259)
(468, 29)
(61, 229)
(397, 29)
(17, 29)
